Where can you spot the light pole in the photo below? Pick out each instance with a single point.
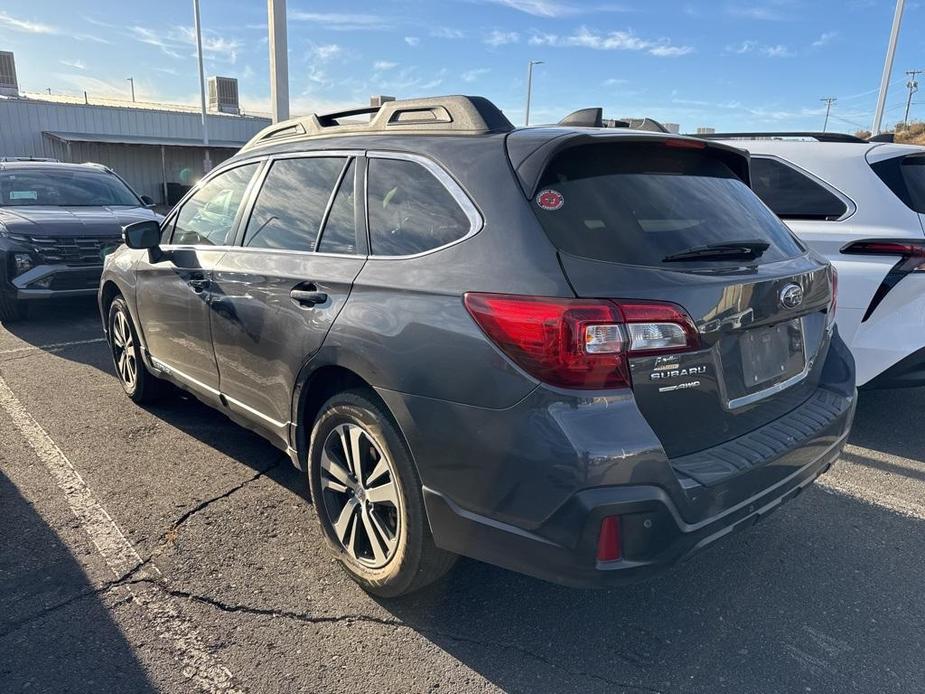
(888, 66)
(530, 87)
(131, 81)
(206, 161)
(279, 60)
(829, 100)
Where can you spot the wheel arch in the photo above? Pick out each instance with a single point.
(316, 385)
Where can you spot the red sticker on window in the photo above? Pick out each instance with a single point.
(550, 199)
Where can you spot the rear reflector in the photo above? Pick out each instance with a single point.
(609, 546)
(580, 343)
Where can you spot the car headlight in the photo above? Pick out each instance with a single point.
(22, 262)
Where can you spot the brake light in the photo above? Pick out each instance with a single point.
(908, 248)
(580, 343)
(609, 545)
(678, 143)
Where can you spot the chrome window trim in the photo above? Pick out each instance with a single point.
(850, 205)
(476, 222)
(283, 251)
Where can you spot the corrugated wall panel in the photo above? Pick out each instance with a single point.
(23, 121)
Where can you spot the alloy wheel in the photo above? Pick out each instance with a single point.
(360, 495)
(123, 350)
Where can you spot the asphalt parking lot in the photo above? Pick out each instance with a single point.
(167, 549)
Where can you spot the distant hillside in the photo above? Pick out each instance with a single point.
(913, 134)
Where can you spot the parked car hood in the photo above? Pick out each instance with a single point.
(72, 221)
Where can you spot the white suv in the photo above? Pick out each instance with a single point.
(862, 205)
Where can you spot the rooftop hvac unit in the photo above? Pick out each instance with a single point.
(223, 95)
(706, 131)
(8, 84)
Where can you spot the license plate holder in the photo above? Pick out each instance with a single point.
(773, 353)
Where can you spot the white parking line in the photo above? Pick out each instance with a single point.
(51, 347)
(905, 507)
(198, 664)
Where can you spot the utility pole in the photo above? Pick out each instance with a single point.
(913, 88)
(530, 88)
(279, 59)
(206, 161)
(131, 81)
(829, 100)
(888, 66)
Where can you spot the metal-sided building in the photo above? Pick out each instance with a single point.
(157, 148)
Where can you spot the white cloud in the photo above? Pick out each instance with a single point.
(341, 21)
(381, 65)
(76, 64)
(409, 79)
(26, 26)
(776, 51)
(537, 8)
(177, 41)
(824, 39)
(324, 53)
(614, 81)
(612, 41)
(473, 75)
(447, 33)
(412, 41)
(773, 11)
(501, 38)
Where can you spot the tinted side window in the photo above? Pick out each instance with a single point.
(207, 218)
(410, 211)
(291, 203)
(339, 235)
(790, 194)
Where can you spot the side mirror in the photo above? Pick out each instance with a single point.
(148, 201)
(142, 235)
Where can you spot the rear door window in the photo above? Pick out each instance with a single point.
(792, 194)
(291, 204)
(638, 203)
(339, 235)
(905, 176)
(410, 211)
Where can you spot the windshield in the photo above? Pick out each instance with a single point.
(640, 203)
(63, 188)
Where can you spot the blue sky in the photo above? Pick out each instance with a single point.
(729, 64)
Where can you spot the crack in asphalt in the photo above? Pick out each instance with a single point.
(83, 595)
(398, 624)
(169, 536)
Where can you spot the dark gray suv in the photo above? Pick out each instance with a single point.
(575, 352)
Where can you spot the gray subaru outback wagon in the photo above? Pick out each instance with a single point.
(575, 352)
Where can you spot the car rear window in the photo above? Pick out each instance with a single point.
(905, 176)
(638, 203)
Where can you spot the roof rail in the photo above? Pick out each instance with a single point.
(883, 137)
(820, 137)
(449, 115)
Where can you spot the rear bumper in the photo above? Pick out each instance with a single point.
(654, 534)
(906, 373)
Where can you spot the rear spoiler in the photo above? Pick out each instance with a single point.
(531, 150)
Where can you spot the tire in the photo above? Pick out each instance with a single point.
(11, 309)
(382, 504)
(137, 382)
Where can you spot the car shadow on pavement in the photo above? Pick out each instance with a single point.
(56, 633)
(890, 421)
(824, 596)
(66, 327)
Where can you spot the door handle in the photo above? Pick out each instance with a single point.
(308, 298)
(199, 285)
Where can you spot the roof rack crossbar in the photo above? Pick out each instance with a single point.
(449, 115)
(820, 137)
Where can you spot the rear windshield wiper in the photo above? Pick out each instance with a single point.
(748, 249)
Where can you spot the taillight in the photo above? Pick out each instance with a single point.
(911, 254)
(580, 343)
(609, 545)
